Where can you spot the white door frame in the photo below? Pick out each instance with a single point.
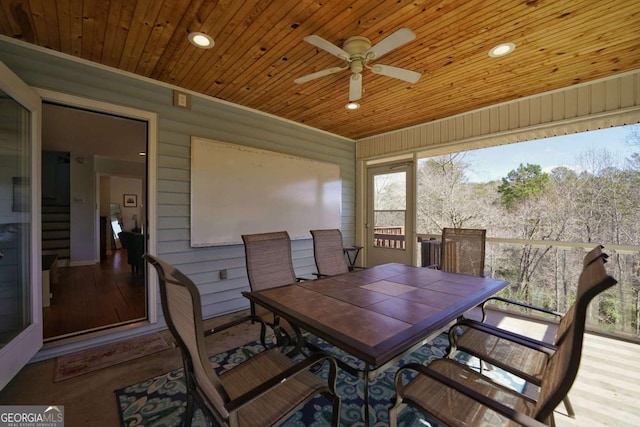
(375, 255)
(17, 353)
(152, 129)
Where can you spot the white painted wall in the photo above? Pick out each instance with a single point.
(121, 186)
(83, 211)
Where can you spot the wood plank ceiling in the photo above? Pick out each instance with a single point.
(259, 50)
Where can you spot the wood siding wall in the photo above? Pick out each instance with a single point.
(207, 118)
(603, 103)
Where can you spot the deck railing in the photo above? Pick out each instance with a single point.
(550, 277)
(389, 237)
(551, 274)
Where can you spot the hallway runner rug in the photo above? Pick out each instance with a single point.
(82, 362)
(161, 400)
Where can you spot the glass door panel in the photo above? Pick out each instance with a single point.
(389, 210)
(389, 218)
(20, 274)
(15, 219)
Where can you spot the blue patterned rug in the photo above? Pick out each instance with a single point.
(160, 401)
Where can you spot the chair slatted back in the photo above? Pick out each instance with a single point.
(430, 252)
(463, 250)
(449, 259)
(562, 368)
(328, 252)
(182, 311)
(268, 258)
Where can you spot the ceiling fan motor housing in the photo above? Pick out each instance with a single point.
(357, 47)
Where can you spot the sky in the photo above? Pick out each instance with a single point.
(496, 162)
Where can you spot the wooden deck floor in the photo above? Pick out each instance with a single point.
(607, 389)
(606, 392)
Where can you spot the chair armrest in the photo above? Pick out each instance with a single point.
(494, 405)
(520, 304)
(239, 321)
(302, 279)
(523, 340)
(318, 275)
(288, 373)
(236, 322)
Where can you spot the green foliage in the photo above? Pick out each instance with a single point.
(525, 183)
(608, 311)
(596, 202)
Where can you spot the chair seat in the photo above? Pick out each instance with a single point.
(268, 409)
(523, 361)
(457, 409)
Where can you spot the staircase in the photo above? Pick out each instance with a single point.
(56, 232)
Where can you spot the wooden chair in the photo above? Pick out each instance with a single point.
(463, 250)
(455, 394)
(269, 265)
(328, 251)
(258, 392)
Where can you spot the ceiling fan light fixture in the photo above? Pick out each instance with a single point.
(502, 50)
(201, 40)
(352, 106)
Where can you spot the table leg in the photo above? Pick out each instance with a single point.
(299, 341)
(366, 396)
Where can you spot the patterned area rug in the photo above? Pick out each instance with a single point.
(161, 400)
(82, 362)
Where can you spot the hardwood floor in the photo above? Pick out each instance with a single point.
(94, 297)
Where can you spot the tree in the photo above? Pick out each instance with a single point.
(444, 192)
(390, 199)
(526, 182)
(595, 202)
(521, 192)
(633, 138)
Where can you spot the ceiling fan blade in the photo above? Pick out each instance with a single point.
(396, 72)
(317, 74)
(355, 87)
(321, 43)
(394, 40)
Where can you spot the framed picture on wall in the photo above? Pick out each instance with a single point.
(130, 200)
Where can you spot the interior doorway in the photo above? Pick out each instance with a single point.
(99, 160)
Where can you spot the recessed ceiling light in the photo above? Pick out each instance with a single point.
(201, 40)
(142, 153)
(352, 106)
(502, 50)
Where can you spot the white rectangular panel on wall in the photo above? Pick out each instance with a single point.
(238, 190)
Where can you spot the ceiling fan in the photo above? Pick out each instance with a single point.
(357, 52)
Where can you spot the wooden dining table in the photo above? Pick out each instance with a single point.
(378, 314)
